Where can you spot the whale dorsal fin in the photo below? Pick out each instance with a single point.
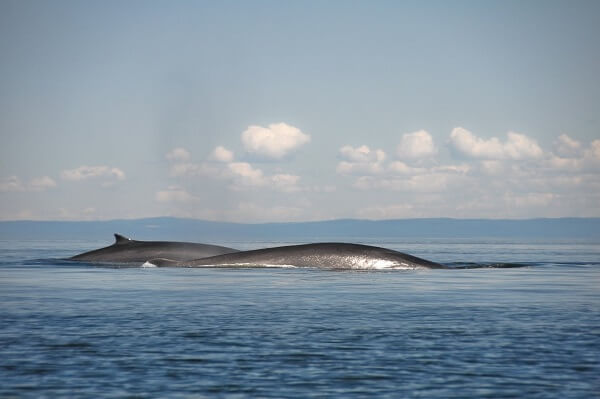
(119, 239)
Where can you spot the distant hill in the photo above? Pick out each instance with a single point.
(343, 229)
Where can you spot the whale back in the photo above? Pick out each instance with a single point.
(126, 250)
(318, 255)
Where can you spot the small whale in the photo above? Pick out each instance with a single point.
(126, 250)
(318, 255)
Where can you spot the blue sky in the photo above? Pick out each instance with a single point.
(275, 111)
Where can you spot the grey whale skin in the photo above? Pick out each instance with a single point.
(319, 255)
(126, 250)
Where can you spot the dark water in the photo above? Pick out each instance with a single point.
(81, 331)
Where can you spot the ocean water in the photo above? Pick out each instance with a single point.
(76, 330)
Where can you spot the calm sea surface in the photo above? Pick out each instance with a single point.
(75, 330)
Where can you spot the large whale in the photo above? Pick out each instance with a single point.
(320, 255)
(126, 250)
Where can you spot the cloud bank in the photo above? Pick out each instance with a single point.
(461, 175)
(469, 176)
(512, 177)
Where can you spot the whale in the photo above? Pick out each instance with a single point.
(126, 250)
(317, 255)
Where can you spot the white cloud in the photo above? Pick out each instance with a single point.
(241, 175)
(510, 176)
(529, 199)
(493, 167)
(180, 164)
(398, 167)
(14, 184)
(328, 189)
(221, 154)
(416, 145)
(513, 177)
(245, 174)
(570, 156)
(373, 173)
(182, 169)
(42, 183)
(173, 194)
(361, 154)
(178, 155)
(358, 168)
(466, 143)
(519, 146)
(593, 153)
(516, 147)
(360, 160)
(286, 183)
(275, 141)
(422, 183)
(207, 169)
(89, 210)
(565, 164)
(460, 169)
(566, 147)
(11, 184)
(90, 172)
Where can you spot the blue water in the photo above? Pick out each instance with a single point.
(69, 330)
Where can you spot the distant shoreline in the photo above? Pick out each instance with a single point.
(202, 230)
